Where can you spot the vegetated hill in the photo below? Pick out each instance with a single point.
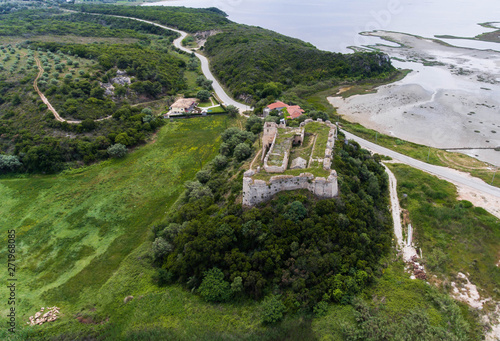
(257, 64)
(305, 249)
(261, 63)
(186, 19)
(53, 21)
(71, 80)
(84, 244)
(302, 255)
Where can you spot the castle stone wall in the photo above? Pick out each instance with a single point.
(257, 191)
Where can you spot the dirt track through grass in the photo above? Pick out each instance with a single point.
(46, 101)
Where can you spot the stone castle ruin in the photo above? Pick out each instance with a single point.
(279, 145)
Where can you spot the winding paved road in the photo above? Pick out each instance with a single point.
(442, 172)
(221, 93)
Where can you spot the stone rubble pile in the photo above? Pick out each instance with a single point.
(417, 269)
(40, 317)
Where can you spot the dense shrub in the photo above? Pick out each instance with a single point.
(242, 151)
(214, 288)
(9, 163)
(117, 151)
(272, 310)
(261, 64)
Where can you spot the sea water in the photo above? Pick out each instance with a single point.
(335, 25)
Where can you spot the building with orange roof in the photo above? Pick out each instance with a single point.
(294, 110)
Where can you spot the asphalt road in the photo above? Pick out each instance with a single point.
(223, 96)
(442, 172)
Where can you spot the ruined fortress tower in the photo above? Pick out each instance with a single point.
(279, 148)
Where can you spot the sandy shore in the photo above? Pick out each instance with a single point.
(450, 102)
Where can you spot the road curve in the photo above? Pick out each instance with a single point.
(223, 96)
(442, 172)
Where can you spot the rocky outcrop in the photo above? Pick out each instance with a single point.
(120, 79)
(202, 36)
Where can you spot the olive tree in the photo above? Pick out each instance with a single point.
(117, 151)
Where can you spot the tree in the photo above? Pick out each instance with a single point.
(270, 118)
(88, 124)
(232, 111)
(237, 285)
(117, 151)
(318, 114)
(203, 95)
(220, 162)
(97, 92)
(195, 190)
(123, 138)
(256, 128)
(254, 124)
(16, 100)
(120, 90)
(200, 80)
(272, 310)
(203, 176)
(242, 151)
(9, 163)
(296, 211)
(147, 111)
(214, 288)
(192, 64)
(160, 248)
(207, 84)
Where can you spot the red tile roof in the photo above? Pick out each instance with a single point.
(277, 105)
(294, 111)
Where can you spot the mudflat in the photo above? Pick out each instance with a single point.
(449, 100)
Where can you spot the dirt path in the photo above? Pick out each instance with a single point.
(255, 158)
(46, 101)
(408, 250)
(312, 152)
(42, 96)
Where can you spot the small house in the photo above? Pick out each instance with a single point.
(294, 111)
(183, 106)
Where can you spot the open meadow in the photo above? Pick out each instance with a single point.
(74, 230)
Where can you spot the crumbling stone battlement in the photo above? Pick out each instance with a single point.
(257, 191)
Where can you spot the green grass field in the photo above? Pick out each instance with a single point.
(75, 230)
(321, 132)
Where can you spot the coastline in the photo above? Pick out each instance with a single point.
(447, 101)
